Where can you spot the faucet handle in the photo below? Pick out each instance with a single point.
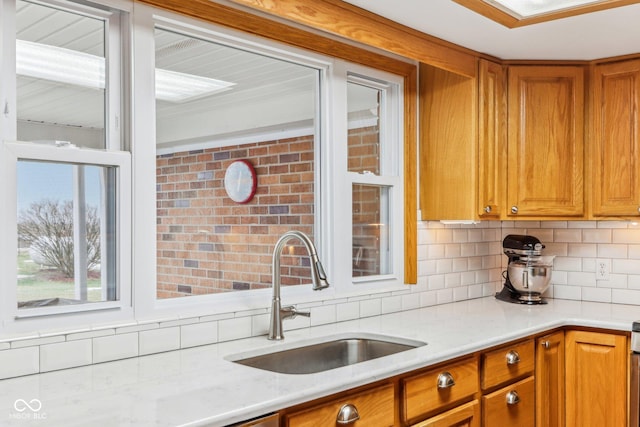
(291, 312)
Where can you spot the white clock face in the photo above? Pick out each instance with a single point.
(240, 181)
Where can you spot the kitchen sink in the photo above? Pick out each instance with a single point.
(334, 352)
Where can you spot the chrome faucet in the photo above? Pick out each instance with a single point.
(318, 279)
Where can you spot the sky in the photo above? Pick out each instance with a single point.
(44, 180)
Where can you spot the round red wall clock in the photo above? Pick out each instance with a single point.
(240, 181)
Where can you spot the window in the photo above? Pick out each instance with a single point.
(269, 110)
(68, 211)
(103, 213)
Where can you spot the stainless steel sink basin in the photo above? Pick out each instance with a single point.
(332, 353)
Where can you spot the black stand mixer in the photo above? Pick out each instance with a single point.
(528, 273)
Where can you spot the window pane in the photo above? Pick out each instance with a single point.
(66, 225)
(363, 105)
(60, 66)
(371, 244)
(262, 112)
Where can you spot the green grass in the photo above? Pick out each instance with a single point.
(36, 283)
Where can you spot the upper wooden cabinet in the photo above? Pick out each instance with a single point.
(615, 144)
(448, 153)
(462, 143)
(545, 141)
(492, 139)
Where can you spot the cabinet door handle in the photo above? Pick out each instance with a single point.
(348, 414)
(513, 358)
(487, 209)
(513, 398)
(445, 380)
(546, 344)
(514, 209)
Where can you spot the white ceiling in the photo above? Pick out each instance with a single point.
(590, 36)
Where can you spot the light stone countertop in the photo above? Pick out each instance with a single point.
(198, 386)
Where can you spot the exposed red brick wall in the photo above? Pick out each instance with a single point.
(207, 243)
(364, 156)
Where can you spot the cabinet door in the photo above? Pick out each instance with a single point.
(550, 379)
(492, 139)
(511, 406)
(615, 150)
(596, 375)
(545, 141)
(467, 415)
(448, 155)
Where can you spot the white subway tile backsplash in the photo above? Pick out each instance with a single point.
(568, 235)
(625, 296)
(461, 294)
(18, 362)
(633, 251)
(325, 314)
(626, 266)
(159, 340)
(236, 328)
(37, 341)
(436, 282)
(579, 278)
(371, 307)
(347, 311)
(390, 305)
(199, 334)
(428, 299)
(567, 292)
(582, 250)
(567, 264)
(452, 280)
(598, 235)
(455, 262)
(444, 296)
(627, 236)
(115, 347)
(69, 354)
(612, 251)
(596, 294)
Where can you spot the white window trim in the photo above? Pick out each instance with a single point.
(24, 319)
(137, 232)
(331, 178)
(16, 320)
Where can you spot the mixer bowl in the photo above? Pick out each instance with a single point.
(530, 279)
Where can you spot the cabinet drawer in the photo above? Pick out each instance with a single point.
(466, 415)
(507, 364)
(375, 408)
(422, 396)
(511, 406)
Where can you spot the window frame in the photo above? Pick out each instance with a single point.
(12, 151)
(139, 267)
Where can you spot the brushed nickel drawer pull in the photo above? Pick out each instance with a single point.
(513, 398)
(445, 380)
(513, 358)
(348, 414)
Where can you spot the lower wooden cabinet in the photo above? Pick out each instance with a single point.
(550, 380)
(467, 415)
(597, 366)
(438, 389)
(375, 408)
(511, 406)
(571, 378)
